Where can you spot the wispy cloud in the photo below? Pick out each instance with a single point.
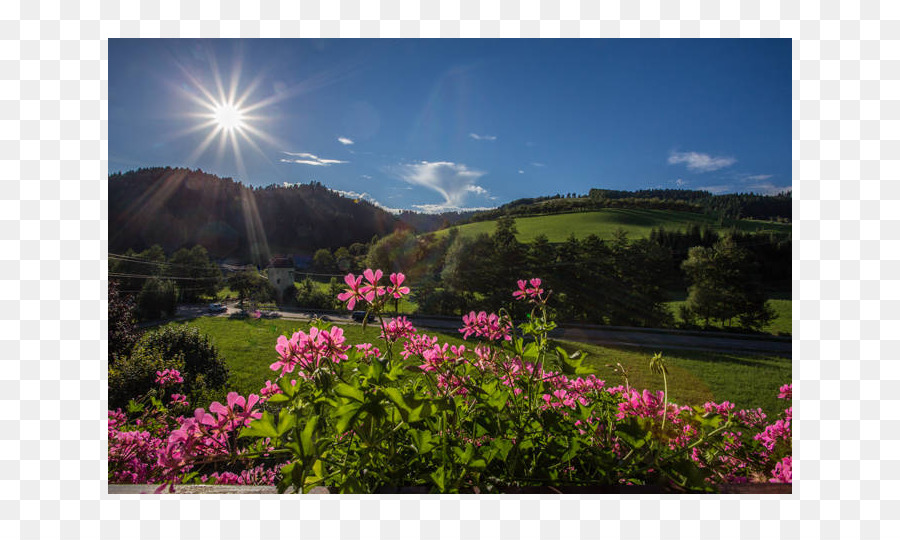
(303, 158)
(537, 164)
(441, 208)
(698, 162)
(680, 183)
(368, 198)
(478, 137)
(344, 140)
(453, 181)
(756, 178)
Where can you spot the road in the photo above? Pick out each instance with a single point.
(661, 340)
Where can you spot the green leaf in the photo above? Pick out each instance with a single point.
(345, 415)
(465, 456)
(306, 437)
(278, 398)
(347, 391)
(261, 427)
(286, 422)
(412, 409)
(438, 477)
(286, 387)
(422, 440)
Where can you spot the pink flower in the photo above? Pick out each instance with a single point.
(395, 289)
(368, 350)
(782, 471)
(533, 293)
(168, 377)
(269, 390)
(397, 328)
(371, 289)
(491, 327)
(308, 351)
(238, 412)
(354, 293)
(257, 314)
(179, 400)
(786, 391)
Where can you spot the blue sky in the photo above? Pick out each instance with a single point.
(434, 125)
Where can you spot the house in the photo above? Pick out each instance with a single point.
(281, 275)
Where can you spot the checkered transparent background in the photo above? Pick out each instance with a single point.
(53, 240)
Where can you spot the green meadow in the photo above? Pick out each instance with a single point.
(603, 223)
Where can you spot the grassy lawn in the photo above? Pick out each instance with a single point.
(603, 223)
(248, 347)
(696, 377)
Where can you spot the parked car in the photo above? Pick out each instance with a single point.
(358, 316)
(217, 308)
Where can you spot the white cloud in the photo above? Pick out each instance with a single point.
(366, 197)
(698, 162)
(344, 140)
(537, 164)
(454, 181)
(303, 158)
(756, 178)
(478, 137)
(441, 208)
(521, 171)
(680, 182)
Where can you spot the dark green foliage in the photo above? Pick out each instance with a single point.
(133, 375)
(122, 317)
(158, 298)
(197, 275)
(250, 285)
(200, 356)
(323, 261)
(178, 347)
(308, 296)
(725, 286)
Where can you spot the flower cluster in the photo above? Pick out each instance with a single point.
(491, 327)
(308, 351)
(368, 350)
(529, 290)
(397, 328)
(371, 290)
(168, 377)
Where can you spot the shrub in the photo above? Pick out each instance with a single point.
(180, 347)
(157, 298)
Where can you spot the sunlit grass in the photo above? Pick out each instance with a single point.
(603, 223)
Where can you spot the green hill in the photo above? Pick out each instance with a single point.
(636, 222)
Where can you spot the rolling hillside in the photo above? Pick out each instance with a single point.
(636, 222)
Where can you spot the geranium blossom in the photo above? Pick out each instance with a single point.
(397, 328)
(530, 290)
(372, 289)
(394, 288)
(168, 377)
(491, 327)
(309, 350)
(354, 293)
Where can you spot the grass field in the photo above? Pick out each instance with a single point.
(603, 223)
(248, 347)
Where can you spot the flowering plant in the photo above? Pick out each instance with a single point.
(510, 410)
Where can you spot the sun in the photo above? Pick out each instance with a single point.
(228, 117)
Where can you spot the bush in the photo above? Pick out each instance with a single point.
(134, 375)
(179, 347)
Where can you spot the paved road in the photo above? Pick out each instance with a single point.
(610, 336)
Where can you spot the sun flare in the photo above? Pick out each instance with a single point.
(228, 117)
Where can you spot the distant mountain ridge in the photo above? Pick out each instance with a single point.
(177, 207)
